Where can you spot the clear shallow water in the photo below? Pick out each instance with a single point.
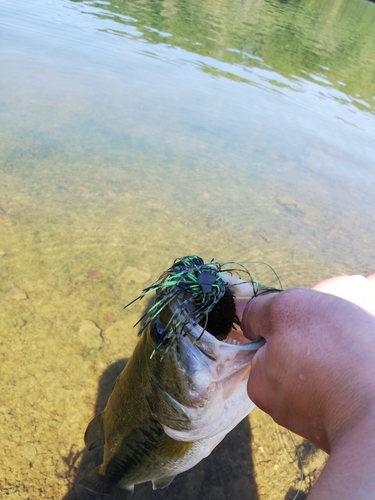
(133, 133)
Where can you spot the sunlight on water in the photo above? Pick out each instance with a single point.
(132, 133)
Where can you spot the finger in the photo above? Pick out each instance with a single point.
(359, 290)
(353, 288)
(242, 292)
(371, 292)
(256, 318)
(257, 385)
(371, 279)
(371, 276)
(330, 284)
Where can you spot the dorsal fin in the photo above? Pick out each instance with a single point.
(94, 433)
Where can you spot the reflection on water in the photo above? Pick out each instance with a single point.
(329, 42)
(132, 133)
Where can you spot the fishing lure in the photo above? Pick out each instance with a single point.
(201, 297)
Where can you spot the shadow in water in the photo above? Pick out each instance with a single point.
(294, 494)
(227, 473)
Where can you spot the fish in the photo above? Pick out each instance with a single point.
(182, 390)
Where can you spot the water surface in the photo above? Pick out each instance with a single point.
(132, 133)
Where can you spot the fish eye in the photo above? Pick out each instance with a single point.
(157, 332)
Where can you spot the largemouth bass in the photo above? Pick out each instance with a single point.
(182, 389)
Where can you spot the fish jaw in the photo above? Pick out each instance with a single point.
(214, 377)
(216, 398)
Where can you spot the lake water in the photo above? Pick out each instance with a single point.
(135, 132)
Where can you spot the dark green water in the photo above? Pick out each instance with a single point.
(135, 132)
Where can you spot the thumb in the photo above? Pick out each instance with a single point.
(257, 320)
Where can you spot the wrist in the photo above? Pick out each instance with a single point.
(349, 470)
(350, 405)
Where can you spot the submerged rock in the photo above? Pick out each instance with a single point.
(90, 335)
(19, 323)
(16, 293)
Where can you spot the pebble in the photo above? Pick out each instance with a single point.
(20, 323)
(16, 293)
(90, 335)
(110, 318)
(265, 238)
(29, 451)
(95, 274)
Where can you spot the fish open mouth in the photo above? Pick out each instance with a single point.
(191, 294)
(223, 321)
(241, 292)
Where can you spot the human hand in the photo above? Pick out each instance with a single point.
(315, 374)
(357, 289)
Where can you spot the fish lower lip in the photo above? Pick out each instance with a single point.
(236, 337)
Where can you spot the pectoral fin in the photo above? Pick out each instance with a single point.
(99, 484)
(94, 433)
(162, 482)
